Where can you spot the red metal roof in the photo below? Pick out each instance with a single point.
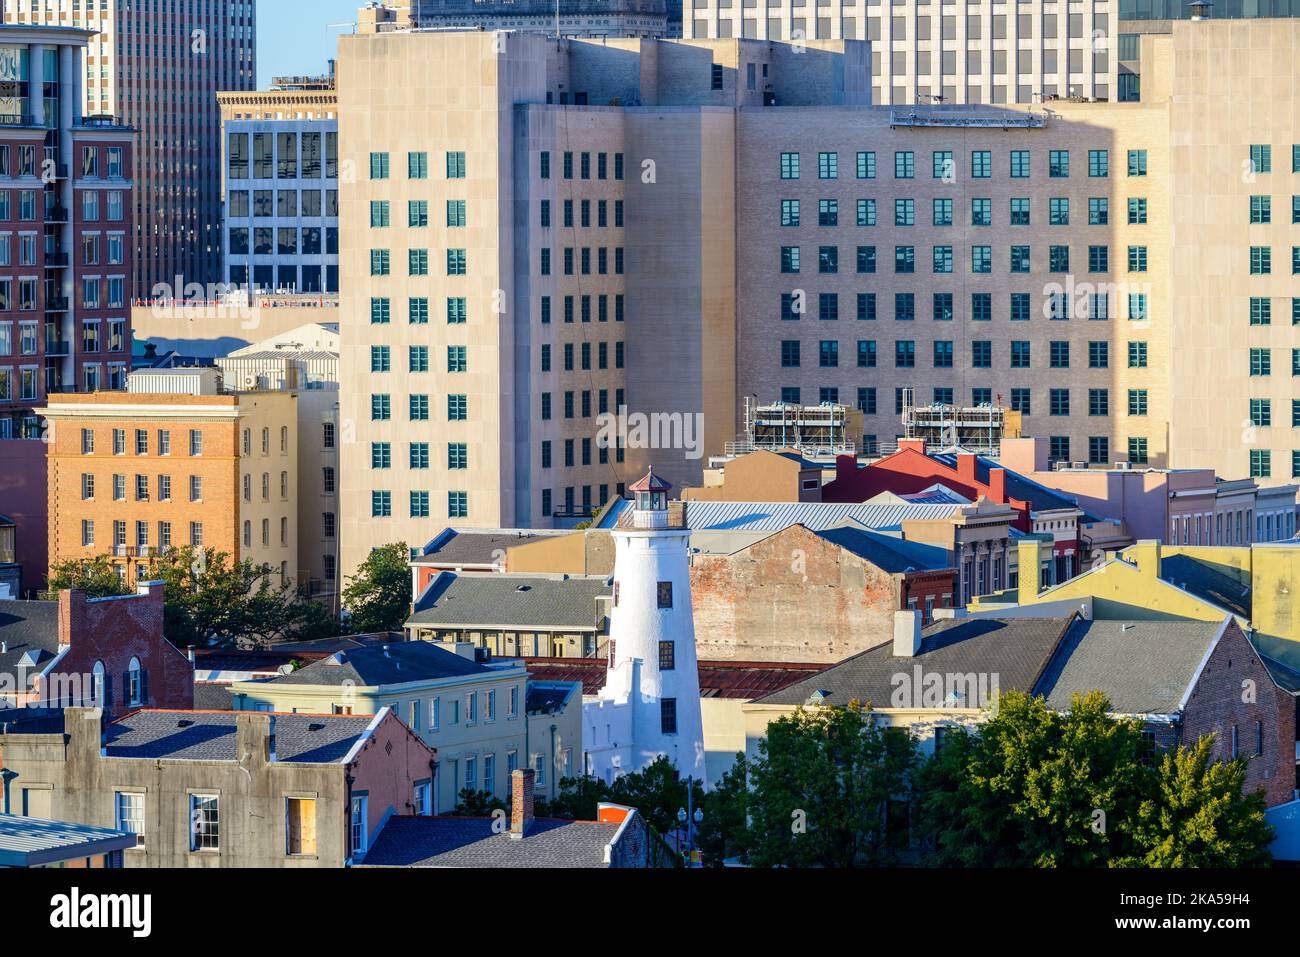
(650, 483)
(742, 680)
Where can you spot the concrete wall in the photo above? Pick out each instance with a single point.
(253, 792)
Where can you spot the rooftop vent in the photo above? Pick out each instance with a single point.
(523, 588)
(315, 726)
(184, 723)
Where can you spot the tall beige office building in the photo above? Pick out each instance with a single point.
(157, 67)
(983, 51)
(1119, 273)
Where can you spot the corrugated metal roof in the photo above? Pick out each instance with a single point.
(816, 516)
(30, 841)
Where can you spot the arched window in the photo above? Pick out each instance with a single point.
(98, 684)
(134, 683)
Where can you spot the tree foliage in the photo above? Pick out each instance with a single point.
(826, 789)
(209, 598)
(378, 596)
(1197, 815)
(96, 576)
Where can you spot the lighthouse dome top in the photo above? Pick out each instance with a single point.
(650, 483)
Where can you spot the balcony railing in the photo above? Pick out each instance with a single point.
(56, 214)
(56, 260)
(56, 347)
(57, 304)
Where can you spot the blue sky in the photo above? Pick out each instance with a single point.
(294, 36)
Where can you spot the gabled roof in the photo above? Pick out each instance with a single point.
(29, 634)
(474, 842)
(211, 736)
(1144, 667)
(1017, 650)
(1040, 497)
(512, 601)
(485, 547)
(374, 666)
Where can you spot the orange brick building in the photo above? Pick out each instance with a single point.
(134, 473)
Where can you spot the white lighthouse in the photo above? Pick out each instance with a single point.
(650, 704)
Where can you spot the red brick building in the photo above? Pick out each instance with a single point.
(913, 469)
(65, 224)
(85, 651)
(1185, 680)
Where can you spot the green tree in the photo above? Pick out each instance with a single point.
(378, 596)
(724, 832)
(210, 598)
(1036, 788)
(826, 789)
(1197, 815)
(478, 804)
(577, 799)
(96, 576)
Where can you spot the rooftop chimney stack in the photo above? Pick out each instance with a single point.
(521, 802)
(907, 633)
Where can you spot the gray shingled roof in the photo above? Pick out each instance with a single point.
(1144, 667)
(29, 631)
(512, 601)
(383, 665)
(478, 547)
(1017, 650)
(470, 842)
(210, 736)
(212, 696)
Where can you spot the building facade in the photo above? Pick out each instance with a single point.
(65, 226)
(207, 789)
(567, 18)
(485, 721)
(280, 190)
(132, 474)
(157, 68)
(923, 51)
(1025, 256)
(305, 361)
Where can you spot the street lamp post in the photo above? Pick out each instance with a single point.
(689, 819)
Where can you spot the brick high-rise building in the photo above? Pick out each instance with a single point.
(157, 67)
(65, 223)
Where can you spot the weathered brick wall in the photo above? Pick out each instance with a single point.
(1235, 690)
(792, 597)
(115, 630)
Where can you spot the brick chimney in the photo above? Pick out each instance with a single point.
(966, 467)
(998, 485)
(521, 802)
(845, 466)
(72, 614)
(912, 445)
